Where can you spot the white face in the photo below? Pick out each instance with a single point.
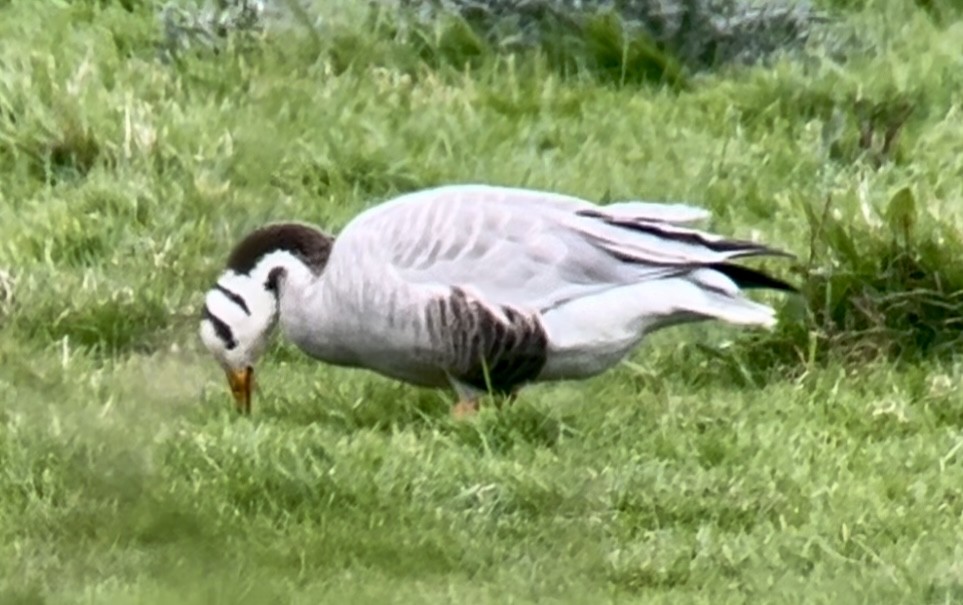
(240, 314)
(242, 308)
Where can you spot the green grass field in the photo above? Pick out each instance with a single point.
(815, 464)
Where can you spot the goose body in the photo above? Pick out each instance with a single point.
(483, 287)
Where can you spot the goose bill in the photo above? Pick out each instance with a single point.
(241, 382)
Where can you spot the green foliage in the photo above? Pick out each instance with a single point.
(698, 34)
(882, 291)
(888, 290)
(620, 42)
(820, 462)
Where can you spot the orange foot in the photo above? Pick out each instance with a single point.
(464, 409)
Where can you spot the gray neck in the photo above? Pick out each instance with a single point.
(310, 318)
(283, 262)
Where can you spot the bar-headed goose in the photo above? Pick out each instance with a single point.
(477, 287)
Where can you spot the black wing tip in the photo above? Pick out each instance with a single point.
(748, 278)
(737, 248)
(756, 249)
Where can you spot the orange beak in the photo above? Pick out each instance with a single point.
(241, 382)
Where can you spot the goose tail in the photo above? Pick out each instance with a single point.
(722, 294)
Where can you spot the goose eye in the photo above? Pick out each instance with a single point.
(271, 284)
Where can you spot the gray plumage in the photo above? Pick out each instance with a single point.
(482, 287)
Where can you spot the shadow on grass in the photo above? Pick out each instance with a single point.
(514, 424)
(389, 407)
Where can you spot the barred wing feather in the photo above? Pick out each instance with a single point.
(532, 250)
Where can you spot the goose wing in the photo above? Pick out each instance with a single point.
(531, 250)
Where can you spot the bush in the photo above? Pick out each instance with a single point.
(699, 34)
(624, 40)
(882, 289)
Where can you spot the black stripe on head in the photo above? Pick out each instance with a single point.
(234, 297)
(310, 245)
(222, 330)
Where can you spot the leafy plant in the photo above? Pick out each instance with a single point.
(697, 34)
(877, 290)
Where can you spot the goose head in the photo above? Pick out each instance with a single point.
(241, 309)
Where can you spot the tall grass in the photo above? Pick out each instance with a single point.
(819, 462)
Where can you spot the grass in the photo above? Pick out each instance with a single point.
(820, 463)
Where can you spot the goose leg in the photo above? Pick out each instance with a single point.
(469, 399)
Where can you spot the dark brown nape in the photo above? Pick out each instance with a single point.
(304, 241)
